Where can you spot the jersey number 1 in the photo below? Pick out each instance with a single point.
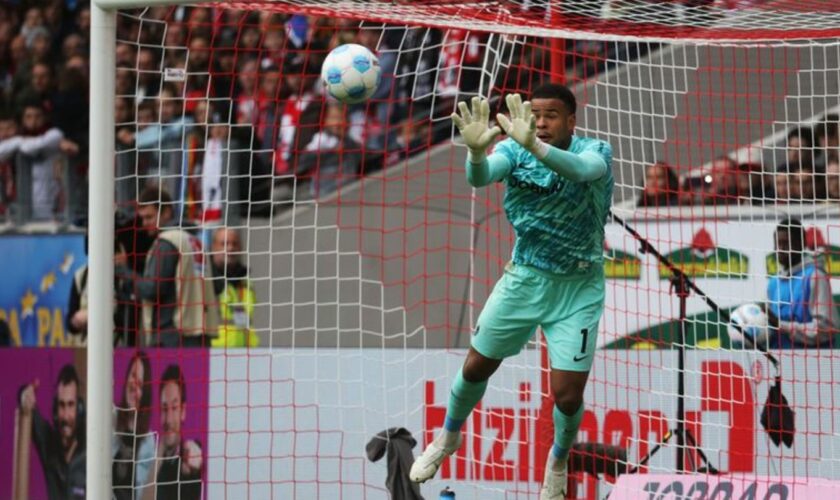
(585, 333)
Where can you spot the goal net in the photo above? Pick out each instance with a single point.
(359, 258)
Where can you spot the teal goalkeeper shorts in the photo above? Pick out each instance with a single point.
(568, 308)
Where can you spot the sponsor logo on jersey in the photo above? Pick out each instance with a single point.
(554, 188)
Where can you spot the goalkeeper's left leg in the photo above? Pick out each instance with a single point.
(505, 325)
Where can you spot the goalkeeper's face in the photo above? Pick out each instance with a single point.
(555, 125)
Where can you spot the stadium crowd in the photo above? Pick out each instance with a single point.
(808, 172)
(204, 97)
(224, 108)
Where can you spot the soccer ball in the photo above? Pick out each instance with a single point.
(351, 73)
(752, 320)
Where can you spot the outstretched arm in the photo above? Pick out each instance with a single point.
(522, 127)
(491, 169)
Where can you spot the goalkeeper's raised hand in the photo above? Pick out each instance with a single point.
(475, 128)
(522, 126)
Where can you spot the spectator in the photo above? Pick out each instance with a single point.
(371, 37)
(247, 93)
(235, 294)
(802, 186)
(781, 187)
(800, 304)
(33, 21)
(19, 62)
(77, 308)
(60, 446)
(751, 186)
(43, 150)
(178, 301)
(302, 111)
(8, 130)
(199, 55)
(175, 35)
(661, 186)
(40, 46)
(179, 463)
(164, 141)
(124, 83)
(83, 23)
(125, 55)
(332, 157)
(269, 111)
(249, 40)
(199, 24)
(132, 445)
(799, 152)
(827, 136)
(223, 67)
(271, 49)
(223, 173)
(39, 90)
(718, 186)
(123, 112)
(721, 187)
(148, 74)
(832, 179)
(72, 118)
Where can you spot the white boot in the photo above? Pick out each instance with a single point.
(427, 464)
(554, 482)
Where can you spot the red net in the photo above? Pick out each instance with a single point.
(369, 257)
(711, 20)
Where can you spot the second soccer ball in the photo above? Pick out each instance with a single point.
(752, 320)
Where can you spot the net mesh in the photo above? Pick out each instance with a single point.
(369, 257)
(711, 20)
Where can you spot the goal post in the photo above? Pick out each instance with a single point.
(368, 283)
(100, 351)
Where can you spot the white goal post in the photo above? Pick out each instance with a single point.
(100, 352)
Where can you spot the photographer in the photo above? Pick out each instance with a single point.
(125, 316)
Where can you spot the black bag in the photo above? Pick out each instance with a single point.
(777, 417)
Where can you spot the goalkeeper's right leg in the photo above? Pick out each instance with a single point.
(428, 463)
(465, 393)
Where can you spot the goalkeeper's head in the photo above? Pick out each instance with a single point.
(154, 207)
(554, 107)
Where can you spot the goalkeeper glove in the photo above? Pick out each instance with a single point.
(522, 126)
(475, 129)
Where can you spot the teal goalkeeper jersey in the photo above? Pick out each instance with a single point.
(559, 223)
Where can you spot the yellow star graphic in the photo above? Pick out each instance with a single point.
(27, 304)
(67, 263)
(47, 282)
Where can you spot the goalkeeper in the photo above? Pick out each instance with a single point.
(558, 195)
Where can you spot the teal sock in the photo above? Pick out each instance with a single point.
(463, 397)
(565, 430)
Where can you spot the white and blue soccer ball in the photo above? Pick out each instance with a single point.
(753, 320)
(351, 73)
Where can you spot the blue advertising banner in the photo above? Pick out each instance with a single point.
(38, 273)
